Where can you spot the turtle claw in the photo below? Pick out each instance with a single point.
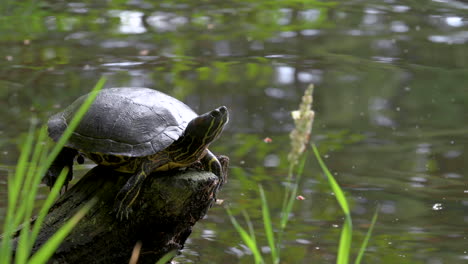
(121, 208)
(122, 213)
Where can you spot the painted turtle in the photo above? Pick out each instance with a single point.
(137, 130)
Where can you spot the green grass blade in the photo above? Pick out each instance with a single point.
(285, 207)
(366, 239)
(30, 186)
(289, 205)
(21, 255)
(340, 196)
(166, 258)
(48, 249)
(300, 167)
(29, 192)
(345, 241)
(288, 200)
(54, 193)
(290, 195)
(20, 172)
(33, 165)
(73, 124)
(347, 230)
(14, 191)
(248, 240)
(286, 211)
(27, 237)
(22, 250)
(15, 184)
(268, 226)
(22, 186)
(249, 226)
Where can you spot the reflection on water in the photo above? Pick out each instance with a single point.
(390, 99)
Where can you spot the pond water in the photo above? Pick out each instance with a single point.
(391, 102)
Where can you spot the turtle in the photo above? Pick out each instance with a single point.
(137, 130)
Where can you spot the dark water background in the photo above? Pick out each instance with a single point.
(391, 104)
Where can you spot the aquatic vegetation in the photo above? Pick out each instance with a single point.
(36, 157)
(300, 136)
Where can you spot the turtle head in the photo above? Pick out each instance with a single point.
(198, 135)
(207, 127)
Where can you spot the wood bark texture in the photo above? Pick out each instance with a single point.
(168, 206)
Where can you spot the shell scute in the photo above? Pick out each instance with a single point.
(131, 122)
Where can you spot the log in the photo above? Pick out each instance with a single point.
(169, 205)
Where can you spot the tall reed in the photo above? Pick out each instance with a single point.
(35, 158)
(300, 136)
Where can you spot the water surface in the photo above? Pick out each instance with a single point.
(391, 107)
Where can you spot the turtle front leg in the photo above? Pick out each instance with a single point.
(216, 166)
(129, 192)
(224, 160)
(64, 159)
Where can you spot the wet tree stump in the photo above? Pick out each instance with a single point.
(169, 204)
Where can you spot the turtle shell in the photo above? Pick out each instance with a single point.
(132, 122)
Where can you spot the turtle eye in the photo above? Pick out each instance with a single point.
(219, 111)
(222, 109)
(215, 113)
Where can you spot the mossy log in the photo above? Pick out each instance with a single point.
(168, 206)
